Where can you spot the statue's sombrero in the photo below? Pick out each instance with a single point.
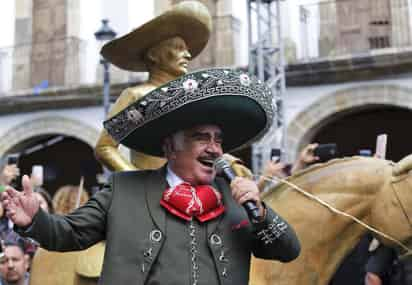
(189, 20)
(239, 104)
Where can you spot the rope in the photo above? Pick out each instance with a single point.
(339, 212)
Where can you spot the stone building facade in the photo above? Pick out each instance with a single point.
(48, 47)
(320, 95)
(349, 26)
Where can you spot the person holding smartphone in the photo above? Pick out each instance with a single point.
(278, 169)
(306, 156)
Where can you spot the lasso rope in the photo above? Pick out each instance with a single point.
(336, 211)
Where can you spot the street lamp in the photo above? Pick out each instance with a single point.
(104, 34)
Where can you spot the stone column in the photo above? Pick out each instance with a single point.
(401, 28)
(220, 50)
(228, 43)
(227, 28)
(207, 57)
(56, 46)
(328, 29)
(4, 71)
(22, 42)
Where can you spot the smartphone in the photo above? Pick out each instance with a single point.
(326, 152)
(13, 158)
(1, 249)
(381, 141)
(37, 175)
(365, 152)
(275, 154)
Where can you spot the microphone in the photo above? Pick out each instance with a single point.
(222, 167)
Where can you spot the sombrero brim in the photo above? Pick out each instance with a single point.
(240, 105)
(189, 20)
(239, 117)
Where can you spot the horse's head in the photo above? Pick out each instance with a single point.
(392, 210)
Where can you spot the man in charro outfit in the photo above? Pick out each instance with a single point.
(179, 224)
(163, 47)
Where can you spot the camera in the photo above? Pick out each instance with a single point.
(275, 154)
(326, 152)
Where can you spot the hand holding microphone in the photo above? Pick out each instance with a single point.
(244, 191)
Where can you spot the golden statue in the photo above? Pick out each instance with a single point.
(163, 46)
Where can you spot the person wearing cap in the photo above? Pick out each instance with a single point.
(163, 47)
(180, 224)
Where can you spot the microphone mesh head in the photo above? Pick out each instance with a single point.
(220, 164)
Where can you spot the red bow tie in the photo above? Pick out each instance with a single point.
(185, 201)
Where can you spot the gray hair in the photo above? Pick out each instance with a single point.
(174, 142)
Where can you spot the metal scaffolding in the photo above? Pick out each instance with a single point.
(266, 60)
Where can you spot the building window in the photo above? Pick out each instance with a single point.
(379, 42)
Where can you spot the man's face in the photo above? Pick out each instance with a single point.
(193, 159)
(171, 56)
(14, 264)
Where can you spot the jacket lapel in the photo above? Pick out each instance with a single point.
(154, 187)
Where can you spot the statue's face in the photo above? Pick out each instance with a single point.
(171, 56)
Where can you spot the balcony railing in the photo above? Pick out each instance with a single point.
(335, 29)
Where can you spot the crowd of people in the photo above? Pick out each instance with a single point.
(17, 252)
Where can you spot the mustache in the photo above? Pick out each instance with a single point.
(212, 157)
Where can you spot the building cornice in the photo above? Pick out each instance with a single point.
(58, 98)
(372, 65)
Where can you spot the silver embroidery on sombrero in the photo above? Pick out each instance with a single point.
(188, 89)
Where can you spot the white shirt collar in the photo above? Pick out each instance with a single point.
(171, 177)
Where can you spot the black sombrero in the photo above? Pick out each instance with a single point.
(240, 105)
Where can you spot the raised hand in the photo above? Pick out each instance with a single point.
(306, 156)
(21, 206)
(10, 172)
(273, 168)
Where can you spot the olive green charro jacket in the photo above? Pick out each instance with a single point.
(127, 214)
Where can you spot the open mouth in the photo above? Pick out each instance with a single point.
(208, 162)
